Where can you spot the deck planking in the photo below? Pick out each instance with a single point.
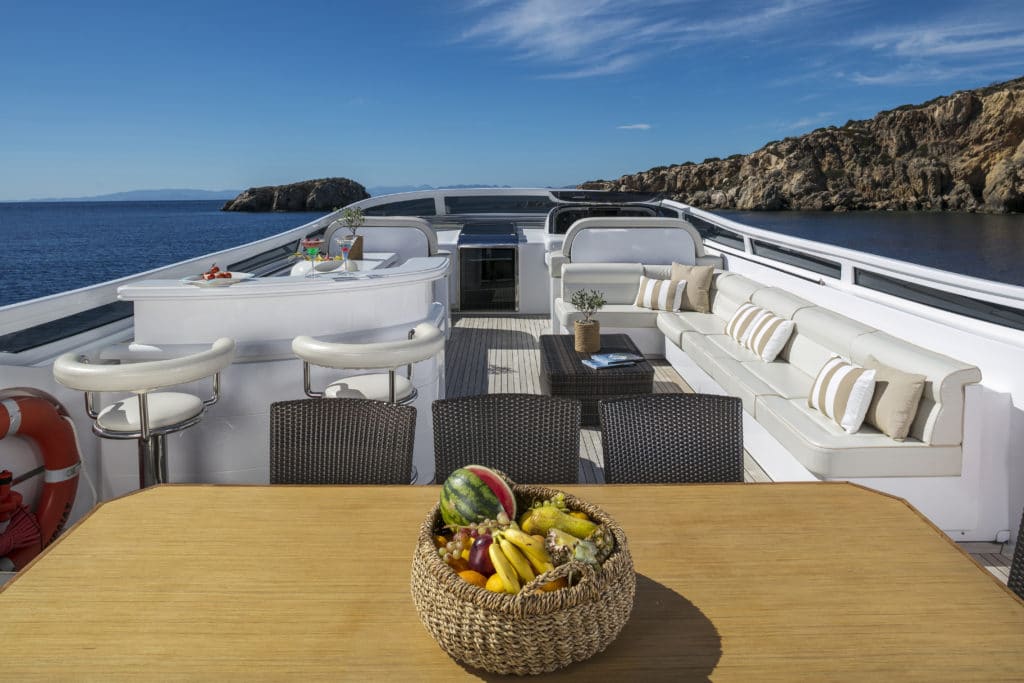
(490, 354)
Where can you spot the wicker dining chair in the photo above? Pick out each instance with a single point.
(341, 441)
(1016, 582)
(533, 439)
(672, 438)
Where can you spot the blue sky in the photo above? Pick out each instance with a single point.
(108, 96)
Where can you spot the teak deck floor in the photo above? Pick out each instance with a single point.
(501, 354)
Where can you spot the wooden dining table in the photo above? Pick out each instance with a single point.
(735, 582)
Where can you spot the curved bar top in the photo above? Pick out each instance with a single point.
(175, 312)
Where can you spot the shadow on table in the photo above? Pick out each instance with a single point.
(667, 638)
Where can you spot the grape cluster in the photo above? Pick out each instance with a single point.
(557, 500)
(464, 536)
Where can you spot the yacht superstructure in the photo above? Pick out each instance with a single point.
(500, 252)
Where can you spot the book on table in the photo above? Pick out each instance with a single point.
(598, 361)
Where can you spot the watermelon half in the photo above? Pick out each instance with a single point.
(473, 494)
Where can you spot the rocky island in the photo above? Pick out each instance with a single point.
(961, 152)
(324, 194)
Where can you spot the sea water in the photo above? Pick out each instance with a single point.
(989, 246)
(51, 247)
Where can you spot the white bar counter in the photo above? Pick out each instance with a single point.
(171, 312)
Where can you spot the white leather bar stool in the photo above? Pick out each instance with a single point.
(425, 340)
(150, 415)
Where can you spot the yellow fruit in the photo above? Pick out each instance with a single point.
(475, 578)
(579, 515)
(440, 541)
(465, 555)
(494, 584)
(458, 564)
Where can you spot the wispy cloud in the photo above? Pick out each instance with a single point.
(921, 73)
(635, 126)
(945, 39)
(808, 121)
(587, 38)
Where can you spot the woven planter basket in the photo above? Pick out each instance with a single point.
(588, 336)
(529, 632)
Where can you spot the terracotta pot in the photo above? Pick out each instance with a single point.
(588, 336)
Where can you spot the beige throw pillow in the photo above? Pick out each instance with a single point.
(697, 296)
(843, 391)
(739, 324)
(897, 395)
(660, 295)
(766, 334)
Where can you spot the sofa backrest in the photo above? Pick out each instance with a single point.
(820, 334)
(940, 414)
(632, 239)
(728, 291)
(779, 301)
(618, 282)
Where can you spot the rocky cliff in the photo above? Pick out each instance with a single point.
(962, 152)
(325, 194)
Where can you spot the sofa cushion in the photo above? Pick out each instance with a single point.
(697, 296)
(843, 391)
(767, 334)
(897, 395)
(660, 295)
(691, 321)
(783, 379)
(826, 450)
(618, 282)
(611, 315)
(672, 326)
(939, 419)
(728, 291)
(730, 374)
(779, 301)
(819, 335)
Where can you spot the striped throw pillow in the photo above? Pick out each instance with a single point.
(766, 334)
(660, 295)
(843, 391)
(740, 322)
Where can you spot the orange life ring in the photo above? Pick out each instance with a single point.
(39, 420)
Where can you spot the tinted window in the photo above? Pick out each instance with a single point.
(710, 231)
(796, 258)
(409, 207)
(946, 301)
(498, 204)
(62, 328)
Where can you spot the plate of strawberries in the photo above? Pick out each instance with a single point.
(215, 277)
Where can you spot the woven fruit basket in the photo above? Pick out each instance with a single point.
(530, 632)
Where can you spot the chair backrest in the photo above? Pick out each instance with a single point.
(672, 438)
(533, 439)
(427, 340)
(404, 235)
(341, 441)
(1016, 582)
(145, 376)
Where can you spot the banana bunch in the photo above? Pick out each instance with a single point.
(518, 558)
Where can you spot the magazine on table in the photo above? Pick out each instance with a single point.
(598, 361)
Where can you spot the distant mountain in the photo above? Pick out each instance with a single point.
(392, 189)
(148, 196)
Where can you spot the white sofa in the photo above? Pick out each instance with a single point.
(776, 393)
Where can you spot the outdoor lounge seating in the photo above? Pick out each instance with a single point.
(150, 415)
(425, 340)
(341, 441)
(533, 439)
(672, 438)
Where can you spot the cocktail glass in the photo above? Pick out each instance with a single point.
(311, 249)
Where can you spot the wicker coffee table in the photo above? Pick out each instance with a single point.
(562, 374)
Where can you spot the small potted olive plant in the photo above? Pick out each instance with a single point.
(353, 218)
(588, 330)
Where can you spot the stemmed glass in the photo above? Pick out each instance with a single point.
(343, 246)
(311, 249)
